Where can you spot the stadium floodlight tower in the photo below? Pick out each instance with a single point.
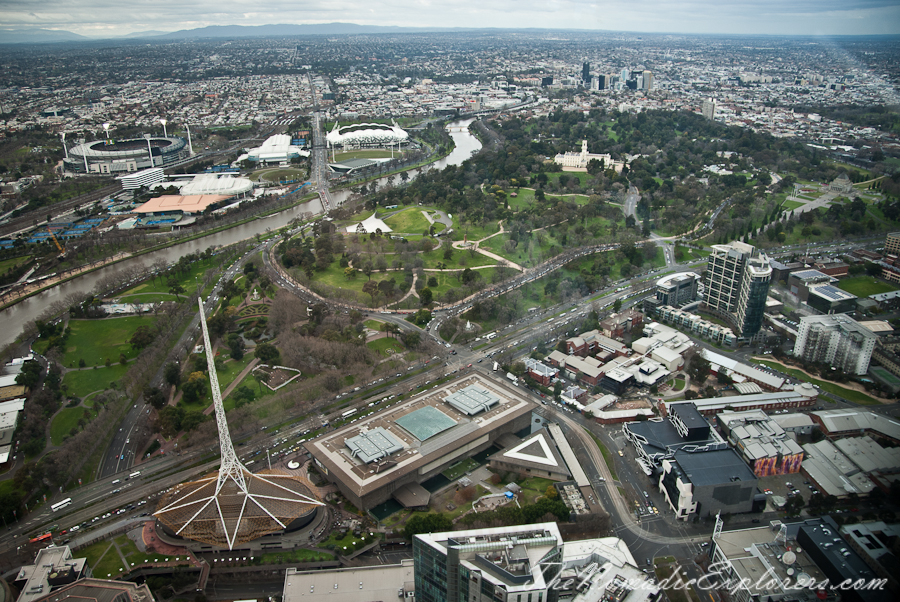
(233, 506)
(164, 121)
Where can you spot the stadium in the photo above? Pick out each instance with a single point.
(124, 156)
(366, 135)
(394, 451)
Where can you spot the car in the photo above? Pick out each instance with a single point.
(469, 366)
(646, 495)
(755, 520)
(621, 454)
(648, 562)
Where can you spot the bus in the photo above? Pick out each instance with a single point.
(134, 475)
(490, 336)
(349, 413)
(61, 505)
(40, 538)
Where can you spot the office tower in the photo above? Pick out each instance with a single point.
(892, 243)
(738, 284)
(625, 74)
(648, 80)
(709, 108)
(514, 564)
(232, 506)
(837, 340)
(602, 82)
(586, 73)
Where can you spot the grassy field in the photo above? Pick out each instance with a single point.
(384, 346)
(8, 264)
(82, 382)
(687, 253)
(834, 388)
(96, 340)
(188, 280)
(863, 286)
(231, 370)
(278, 175)
(791, 205)
(65, 421)
(290, 556)
(409, 221)
(363, 154)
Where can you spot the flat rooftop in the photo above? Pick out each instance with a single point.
(331, 450)
(362, 584)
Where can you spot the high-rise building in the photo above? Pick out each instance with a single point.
(678, 289)
(648, 80)
(602, 82)
(586, 73)
(892, 243)
(709, 108)
(512, 563)
(837, 340)
(738, 278)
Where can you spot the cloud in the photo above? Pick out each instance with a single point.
(100, 17)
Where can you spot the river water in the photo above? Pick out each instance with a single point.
(15, 317)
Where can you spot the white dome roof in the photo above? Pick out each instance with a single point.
(217, 184)
(367, 133)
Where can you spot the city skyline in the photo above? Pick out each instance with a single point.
(105, 19)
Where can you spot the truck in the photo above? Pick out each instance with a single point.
(512, 377)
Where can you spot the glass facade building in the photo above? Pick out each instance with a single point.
(738, 278)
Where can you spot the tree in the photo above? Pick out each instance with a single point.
(411, 339)
(195, 387)
(172, 374)
(551, 492)
(154, 397)
(617, 305)
(267, 353)
(261, 376)
(175, 288)
(371, 288)
(426, 523)
(448, 252)
(425, 296)
(432, 282)
(236, 345)
(142, 337)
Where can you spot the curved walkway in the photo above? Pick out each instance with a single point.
(502, 261)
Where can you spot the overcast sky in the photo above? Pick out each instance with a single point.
(102, 18)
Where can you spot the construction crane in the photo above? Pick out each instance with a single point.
(62, 251)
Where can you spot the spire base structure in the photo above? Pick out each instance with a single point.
(233, 505)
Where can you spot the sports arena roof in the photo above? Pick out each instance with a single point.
(186, 204)
(373, 134)
(217, 184)
(276, 148)
(120, 149)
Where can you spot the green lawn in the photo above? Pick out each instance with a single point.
(385, 345)
(534, 488)
(82, 382)
(410, 221)
(863, 286)
(362, 154)
(150, 298)
(8, 264)
(232, 368)
(279, 175)
(834, 388)
(683, 253)
(65, 421)
(188, 280)
(96, 340)
(791, 205)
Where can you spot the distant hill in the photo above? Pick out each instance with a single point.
(145, 34)
(243, 31)
(38, 36)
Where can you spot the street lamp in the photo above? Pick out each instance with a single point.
(164, 122)
(106, 129)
